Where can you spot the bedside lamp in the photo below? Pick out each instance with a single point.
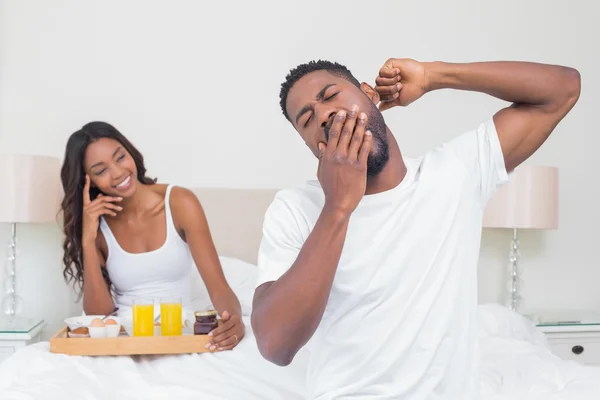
(29, 193)
(529, 201)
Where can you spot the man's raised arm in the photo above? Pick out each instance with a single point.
(541, 95)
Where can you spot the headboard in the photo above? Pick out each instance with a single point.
(235, 218)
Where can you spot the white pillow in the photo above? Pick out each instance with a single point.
(495, 320)
(241, 277)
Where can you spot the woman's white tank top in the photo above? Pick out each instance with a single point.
(164, 272)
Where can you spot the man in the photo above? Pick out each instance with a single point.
(376, 262)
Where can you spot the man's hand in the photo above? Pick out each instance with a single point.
(343, 161)
(400, 82)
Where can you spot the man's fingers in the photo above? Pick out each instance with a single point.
(335, 130)
(322, 146)
(347, 130)
(389, 98)
(384, 105)
(357, 138)
(365, 149)
(388, 90)
(388, 72)
(86, 190)
(381, 81)
(321, 153)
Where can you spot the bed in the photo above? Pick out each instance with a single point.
(516, 362)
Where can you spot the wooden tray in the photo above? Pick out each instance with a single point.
(128, 345)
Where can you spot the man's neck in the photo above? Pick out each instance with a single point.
(392, 174)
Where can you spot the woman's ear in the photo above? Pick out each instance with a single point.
(369, 91)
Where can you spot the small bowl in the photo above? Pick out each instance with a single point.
(85, 320)
(112, 330)
(97, 331)
(80, 321)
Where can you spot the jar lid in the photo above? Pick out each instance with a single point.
(209, 313)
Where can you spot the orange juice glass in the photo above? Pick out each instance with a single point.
(171, 321)
(143, 317)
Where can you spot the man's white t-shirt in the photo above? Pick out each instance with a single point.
(400, 322)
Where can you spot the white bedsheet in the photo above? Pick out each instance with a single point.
(35, 373)
(516, 364)
(513, 369)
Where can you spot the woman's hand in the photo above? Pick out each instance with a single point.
(228, 334)
(92, 210)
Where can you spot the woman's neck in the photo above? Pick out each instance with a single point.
(139, 202)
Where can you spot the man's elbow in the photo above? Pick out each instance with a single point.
(271, 346)
(277, 354)
(566, 93)
(572, 87)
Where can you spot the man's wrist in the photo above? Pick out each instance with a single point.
(335, 214)
(439, 75)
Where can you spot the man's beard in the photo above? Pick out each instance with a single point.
(380, 150)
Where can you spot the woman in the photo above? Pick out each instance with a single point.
(127, 233)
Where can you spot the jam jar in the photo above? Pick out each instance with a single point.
(206, 321)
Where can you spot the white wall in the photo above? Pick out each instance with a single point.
(195, 86)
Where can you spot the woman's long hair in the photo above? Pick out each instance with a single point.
(73, 180)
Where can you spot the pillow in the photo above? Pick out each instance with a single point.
(495, 320)
(241, 277)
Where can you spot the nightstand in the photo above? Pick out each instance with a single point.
(20, 334)
(574, 341)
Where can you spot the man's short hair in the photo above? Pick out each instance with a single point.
(295, 74)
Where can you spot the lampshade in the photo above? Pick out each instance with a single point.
(30, 188)
(529, 201)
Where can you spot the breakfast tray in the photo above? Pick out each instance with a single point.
(127, 345)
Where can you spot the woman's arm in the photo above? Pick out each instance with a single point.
(190, 219)
(96, 294)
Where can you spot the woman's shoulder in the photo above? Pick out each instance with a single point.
(183, 200)
(177, 193)
(180, 193)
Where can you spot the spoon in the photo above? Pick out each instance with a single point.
(111, 314)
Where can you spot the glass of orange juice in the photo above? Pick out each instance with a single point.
(143, 317)
(171, 321)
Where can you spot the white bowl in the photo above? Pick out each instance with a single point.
(97, 331)
(85, 320)
(112, 330)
